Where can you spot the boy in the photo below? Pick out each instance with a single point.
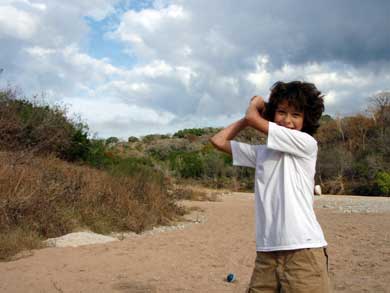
(290, 245)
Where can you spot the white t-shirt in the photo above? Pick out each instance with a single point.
(284, 184)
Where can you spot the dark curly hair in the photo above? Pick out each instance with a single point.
(303, 96)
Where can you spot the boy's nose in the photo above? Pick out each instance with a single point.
(287, 119)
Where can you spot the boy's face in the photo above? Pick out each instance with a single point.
(287, 116)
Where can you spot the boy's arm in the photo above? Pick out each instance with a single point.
(253, 117)
(221, 140)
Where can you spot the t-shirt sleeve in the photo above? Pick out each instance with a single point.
(290, 141)
(244, 154)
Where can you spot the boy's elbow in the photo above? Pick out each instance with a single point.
(217, 142)
(250, 119)
(221, 145)
(214, 141)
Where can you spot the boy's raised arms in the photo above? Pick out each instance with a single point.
(222, 139)
(253, 117)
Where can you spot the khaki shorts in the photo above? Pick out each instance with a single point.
(295, 271)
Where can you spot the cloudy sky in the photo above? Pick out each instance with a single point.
(135, 67)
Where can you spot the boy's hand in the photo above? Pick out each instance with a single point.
(254, 114)
(258, 102)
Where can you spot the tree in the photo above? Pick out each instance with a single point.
(328, 133)
(112, 140)
(380, 109)
(356, 129)
(132, 139)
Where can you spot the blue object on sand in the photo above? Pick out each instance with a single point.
(230, 278)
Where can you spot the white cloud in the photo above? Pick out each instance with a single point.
(86, 63)
(186, 75)
(125, 89)
(26, 3)
(97, 9)
(39, 51)
(139, 29)
(103, 110)
(70, 70)
(113, 117)
(151, 19)
(154, 69)
(260, 77)
(194, 63)
(16, 23)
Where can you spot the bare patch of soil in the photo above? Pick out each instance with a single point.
(198, 257)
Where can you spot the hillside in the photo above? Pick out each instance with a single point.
(57, 179)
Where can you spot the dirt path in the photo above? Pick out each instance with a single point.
(198, 257)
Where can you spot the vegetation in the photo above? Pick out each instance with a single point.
(354, 152)
(56, 179)
(27, 126)
(382, 179)
(188, 132)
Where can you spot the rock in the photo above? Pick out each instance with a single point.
(317, 190)
(78, 239)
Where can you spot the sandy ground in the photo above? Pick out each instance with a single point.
(197, 257)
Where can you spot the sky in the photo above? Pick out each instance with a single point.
(138, 67)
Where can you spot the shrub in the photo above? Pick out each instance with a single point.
(25, 125)
(190, 131)
(133, 166)
(163, 148)
(97, 154)
(132, 139)
(80, 146)
(187, 165)
(30, 126)
(151, 137)
(17, 240)
(112, 140)
(382, 180)
(46, 197)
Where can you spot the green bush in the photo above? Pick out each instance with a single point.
(184, 133)
(382, 180)
(112, 140)
(132, 139)
(151, 137)
(187, 165)
(190, 131)
(42, 129)
(163, 148)
(97, 156)
(216, 164)
(79, 147)
(132, 167)
(25, 125)
(205, 164)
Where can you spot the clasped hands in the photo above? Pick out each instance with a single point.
(255, 108)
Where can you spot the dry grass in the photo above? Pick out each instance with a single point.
(195, 193)
(46, 197)
(15, 241)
